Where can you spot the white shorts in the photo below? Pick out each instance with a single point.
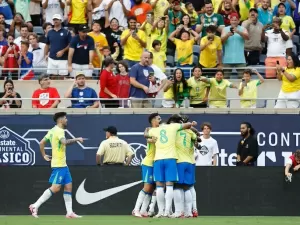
(57, 67)
(289, 44)
(290, 104)
(81, 68)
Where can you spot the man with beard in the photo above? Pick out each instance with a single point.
(228, 9)
(247, 150)
(265, 15)
(61, 175)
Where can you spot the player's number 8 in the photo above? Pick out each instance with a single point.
(163, 137)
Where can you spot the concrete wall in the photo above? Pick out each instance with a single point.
(269, 89)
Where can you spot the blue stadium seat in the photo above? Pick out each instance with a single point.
(195, 60)
(262, 59)
(196, 50)
(170, 61)
(38, 30)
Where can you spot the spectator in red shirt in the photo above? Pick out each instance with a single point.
(293, 164)
(10, 55)
(44, 93)
(140, 10)
(109, 84)
(123, 81)
(228, 9)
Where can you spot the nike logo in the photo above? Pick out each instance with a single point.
(85, 198)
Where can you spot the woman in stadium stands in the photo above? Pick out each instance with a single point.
(290, 88)
(160, 31)
(175, 90)
(9, 92)
(109, 84)
(15, 27)
(123, 82)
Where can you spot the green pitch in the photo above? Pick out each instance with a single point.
(129, 220)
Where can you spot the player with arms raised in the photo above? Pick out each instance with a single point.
(145, 194)
(165, 167)
(60, 172)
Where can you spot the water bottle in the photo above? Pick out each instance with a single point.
(186, 102)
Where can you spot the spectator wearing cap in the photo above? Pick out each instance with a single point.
(81, 53)
(78, 13)
(113, 150)
(209, 18)
(46, 27)
(133, 41)
(265, 15)
(44, 93)
(233, 40)
(58, 40)
(24, 35)
(79, 90)
(25, 62)
(52, 7)
(6, 11)
(289, 6)
(276, 48)
(109, 84)
(140, 10)
(100, 41)
(10, 55)
(139, 80)
(288, 25)
(253, 46)
(38, 49)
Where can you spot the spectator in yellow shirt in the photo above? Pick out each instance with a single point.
(78, 13)
(290, 88)
(159, 57)
(147, 28)
(198, 89)
(134, 42)
(184, 47)
(248, 88)
(100, 42)
(159, 7)
(218, 90)
(160, 31)
(211, 50)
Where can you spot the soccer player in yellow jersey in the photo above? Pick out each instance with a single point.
(165, 168)
(60, 172)
(145, 194)
(185, 140)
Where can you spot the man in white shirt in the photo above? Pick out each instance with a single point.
(37, 49)
(53, 7)
(24, 35)
(207, 155)
(117, 9)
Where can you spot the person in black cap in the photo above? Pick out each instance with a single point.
(113, 150)
(247, 150)
(81, 53)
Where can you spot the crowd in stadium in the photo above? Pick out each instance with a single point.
(138, 49)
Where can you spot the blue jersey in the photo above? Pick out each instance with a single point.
(81, 49)
(83, 93)
(58, 40)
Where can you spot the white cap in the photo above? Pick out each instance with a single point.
(56, 16)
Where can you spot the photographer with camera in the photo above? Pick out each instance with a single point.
(10, 93)
(248, 88)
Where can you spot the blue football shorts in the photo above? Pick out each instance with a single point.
(165, 170)
(60, 175)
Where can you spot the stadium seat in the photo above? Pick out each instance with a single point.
(261, 103)
(170, 61)
(262, 59)
(195, 60)
(38, 30)
(196, 50)
(296, 39)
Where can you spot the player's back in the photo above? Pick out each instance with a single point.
(185, 146)
(165, 143)
(58, 149)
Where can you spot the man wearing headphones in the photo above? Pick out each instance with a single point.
(247, 151)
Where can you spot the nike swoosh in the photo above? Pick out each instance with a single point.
(85, 198)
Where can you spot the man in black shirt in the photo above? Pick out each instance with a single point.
(247, 150)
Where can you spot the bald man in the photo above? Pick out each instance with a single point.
(139, 80)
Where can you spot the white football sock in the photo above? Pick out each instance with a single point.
(188, 201)
(45, 196)
(139, 200)
(68, 202)
(178, 201)
(194, 197)
(160, 194)
(146, 203)
(169, 198)
(153, 203)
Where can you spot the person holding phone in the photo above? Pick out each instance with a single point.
(9, 92)
(248, 88)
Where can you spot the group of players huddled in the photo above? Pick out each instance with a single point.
(168, 169)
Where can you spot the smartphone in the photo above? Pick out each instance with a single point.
(243, 81)
(277, 62)
(231, 30)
